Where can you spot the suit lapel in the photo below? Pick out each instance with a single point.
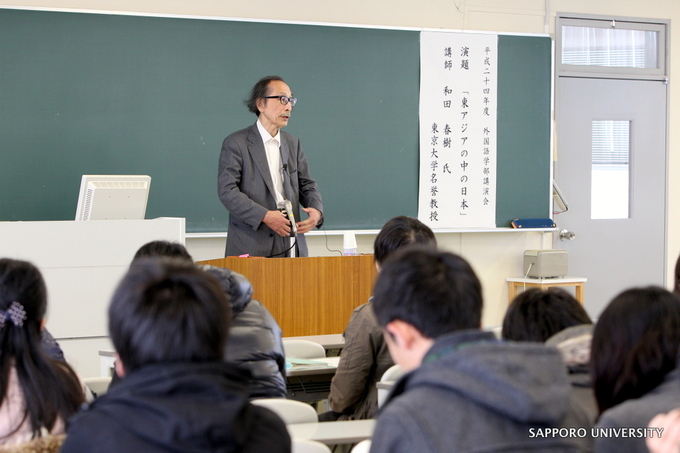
(256, 150)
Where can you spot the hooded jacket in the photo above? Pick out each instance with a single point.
(473, 393)
(254, 344)
(177, 407)
(625, 426)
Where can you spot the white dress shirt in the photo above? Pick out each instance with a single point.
(272, 147)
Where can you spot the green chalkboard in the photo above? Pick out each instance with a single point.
(112, 94)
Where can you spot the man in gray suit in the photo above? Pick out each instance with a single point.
(260, 167)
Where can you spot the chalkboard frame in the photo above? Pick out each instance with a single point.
(85, 93)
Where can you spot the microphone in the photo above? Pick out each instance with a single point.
(286, 207)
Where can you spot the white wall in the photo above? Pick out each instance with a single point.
(82, 263)
(494, 255)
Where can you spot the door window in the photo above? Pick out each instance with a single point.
(610, 170)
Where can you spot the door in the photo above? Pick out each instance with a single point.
(617, 193)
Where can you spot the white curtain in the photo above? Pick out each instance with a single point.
(591, 46)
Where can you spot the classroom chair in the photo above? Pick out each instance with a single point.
(362, 447)
(97, 385)
(290, 411)
(308, 446)
(392, 375)
(303, 349)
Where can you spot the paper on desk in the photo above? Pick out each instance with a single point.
(312, 363)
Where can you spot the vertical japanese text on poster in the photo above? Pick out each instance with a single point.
(458, 73)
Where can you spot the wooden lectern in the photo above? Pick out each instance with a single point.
(307, 296)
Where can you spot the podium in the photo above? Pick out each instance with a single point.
(307, 296)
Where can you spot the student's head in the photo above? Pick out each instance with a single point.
(168, 311)
(23, 303)
(424, 293)
(156, 249)
(536, 315)
(399, 232)
(635, 344)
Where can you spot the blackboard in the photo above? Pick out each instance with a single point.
(114, 94)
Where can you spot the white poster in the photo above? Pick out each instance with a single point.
(458, 73)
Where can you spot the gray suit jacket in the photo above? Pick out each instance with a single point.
(246, 189)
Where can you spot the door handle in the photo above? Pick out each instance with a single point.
(566, 235)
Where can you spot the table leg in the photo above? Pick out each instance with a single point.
(512, 291)
(579, 292)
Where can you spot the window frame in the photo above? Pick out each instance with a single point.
(571, 70)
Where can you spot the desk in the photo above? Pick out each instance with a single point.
(334, 433)
(577, 282)
(311, 384)
(331, 364)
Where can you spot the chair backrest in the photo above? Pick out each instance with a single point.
(497, 331)
(309, 446)
(302, 349)
(97, 385)
(290, 411)
(391, 375)
(362, 447)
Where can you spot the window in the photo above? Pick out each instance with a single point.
(610, 177)
(611, 48)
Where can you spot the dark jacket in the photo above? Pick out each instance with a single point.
(474, 393)
(177, 407)
(50, 346)
(254, 342)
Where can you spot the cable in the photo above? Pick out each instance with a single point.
(285, 251)
(527, 276)
(325, 233)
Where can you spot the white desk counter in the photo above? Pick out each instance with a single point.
(334, 433)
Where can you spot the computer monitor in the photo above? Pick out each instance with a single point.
(113, 197)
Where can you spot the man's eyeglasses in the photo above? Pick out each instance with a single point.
(284, 100)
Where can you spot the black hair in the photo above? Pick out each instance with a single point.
(676, 287)
(259, 91)
(436, 292)
(536, 315)
(399, 232)
(51, 389)
(168, 310)
(163, 249)
(635, 344)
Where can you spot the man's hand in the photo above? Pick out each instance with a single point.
(277, 222)
(311, 222)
